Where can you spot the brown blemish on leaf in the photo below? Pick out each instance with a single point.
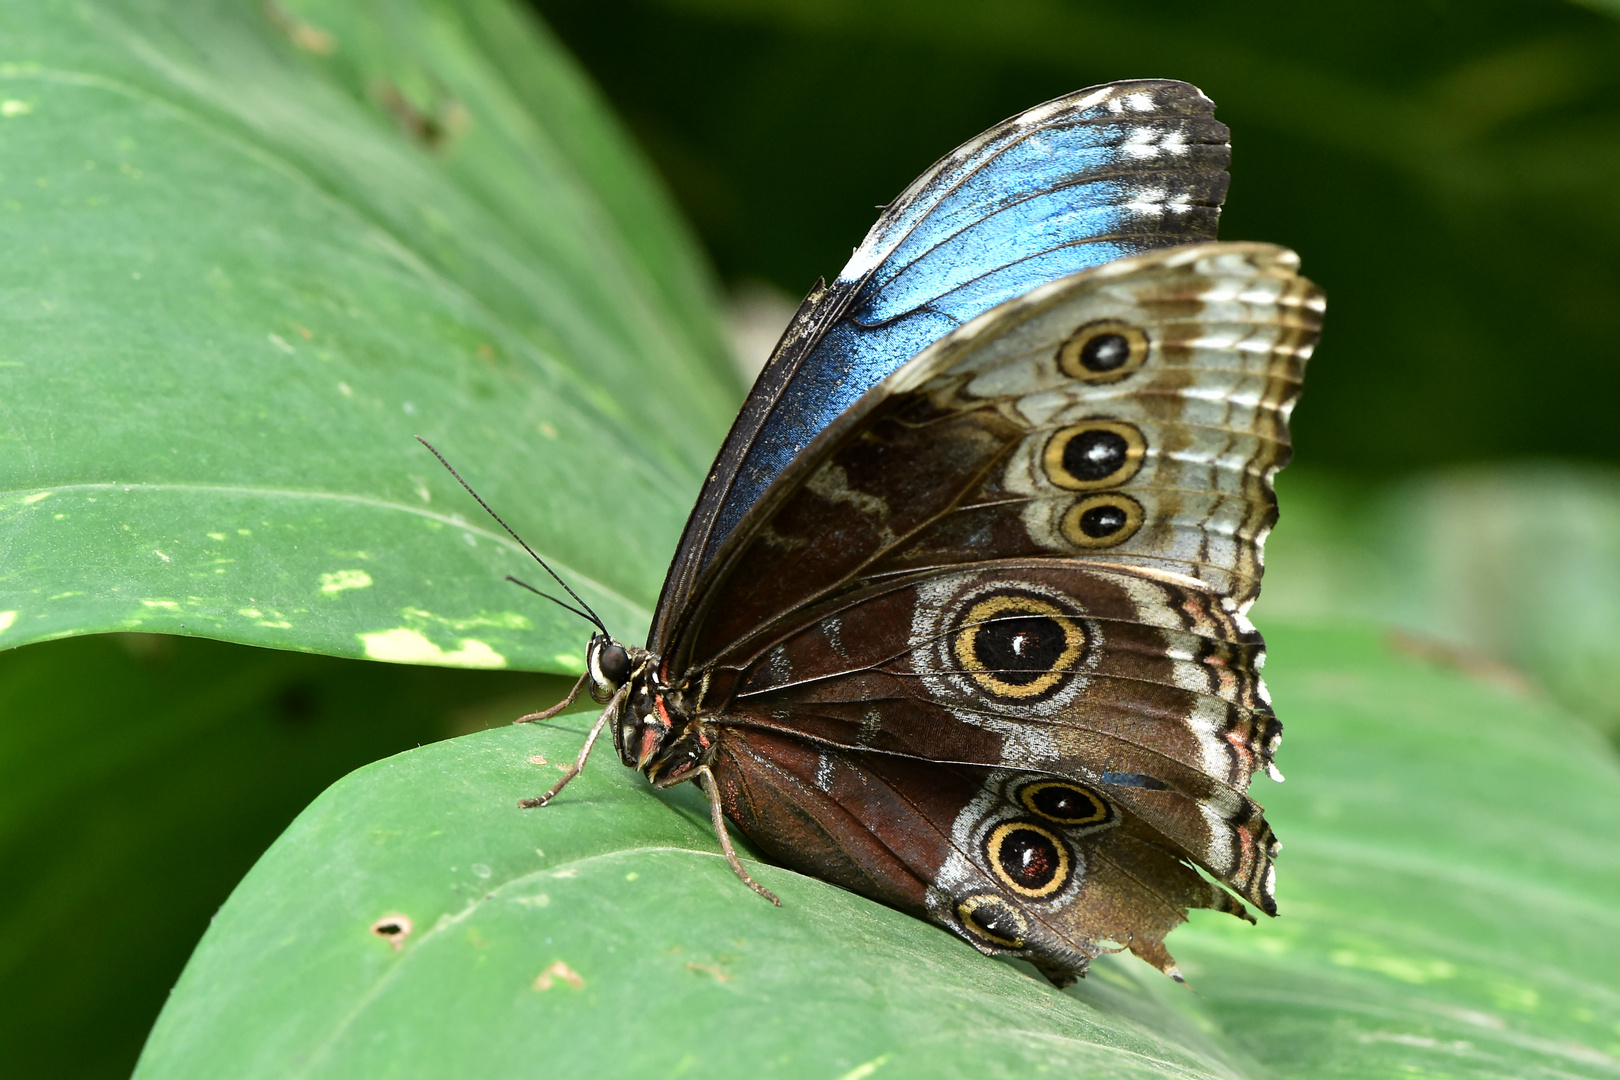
(559, 970)
(719, 973)
(1474, 664)
(433, 129)
(306, 36)
(393, 929)
(537, 759)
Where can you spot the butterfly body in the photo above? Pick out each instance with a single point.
(972, 641)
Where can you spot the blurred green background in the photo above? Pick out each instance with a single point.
(1449, 172)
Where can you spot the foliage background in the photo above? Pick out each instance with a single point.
(1448, 172)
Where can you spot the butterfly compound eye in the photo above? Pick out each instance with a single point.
(613, 664)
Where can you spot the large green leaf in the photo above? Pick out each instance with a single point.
(1448, 893)
(140, 776)
(251, 249)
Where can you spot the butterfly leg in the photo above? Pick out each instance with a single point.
(547, 714)
(707, 778)
(608, 713)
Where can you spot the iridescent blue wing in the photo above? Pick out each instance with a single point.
(1082, 180)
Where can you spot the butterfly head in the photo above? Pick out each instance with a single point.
(610, 664)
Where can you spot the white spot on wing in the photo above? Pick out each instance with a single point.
(1148, 201)
(1141, 144)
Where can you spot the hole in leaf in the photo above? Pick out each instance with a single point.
(394, 929)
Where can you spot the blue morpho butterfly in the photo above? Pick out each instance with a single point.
(958, 622)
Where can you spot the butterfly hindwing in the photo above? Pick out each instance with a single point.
(1139, 686)
(1014, 862)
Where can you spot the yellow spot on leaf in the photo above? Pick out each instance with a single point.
(570, 662)
(720, 974)
(6, 619)
(546, 979)
(1511, 996)
(13, 107)
(249, 612)
(405, 646)
(340, 580)
(167, 605)
(867, 1068)
(29, 500)
(216, 536)
(1271, 946)
(1405, 968)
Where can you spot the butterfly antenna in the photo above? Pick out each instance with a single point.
(548, 596)
(588, 613)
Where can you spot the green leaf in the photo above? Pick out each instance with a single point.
(1512, 569)
(253, 249)
(140, 776)
(1447, 892)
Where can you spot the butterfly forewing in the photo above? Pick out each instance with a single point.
(1092, 176)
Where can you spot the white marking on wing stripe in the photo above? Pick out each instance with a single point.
(1207, 721)
(1219, 852)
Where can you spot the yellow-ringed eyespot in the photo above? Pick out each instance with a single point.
(1093, 455)
(1065, 803)
(1018, 646)
(991, 918)
(1103, 351)
(1100, 521)
(1030, 859)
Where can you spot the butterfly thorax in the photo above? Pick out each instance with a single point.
(655, 730)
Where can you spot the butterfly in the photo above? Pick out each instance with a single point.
(958, 621)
